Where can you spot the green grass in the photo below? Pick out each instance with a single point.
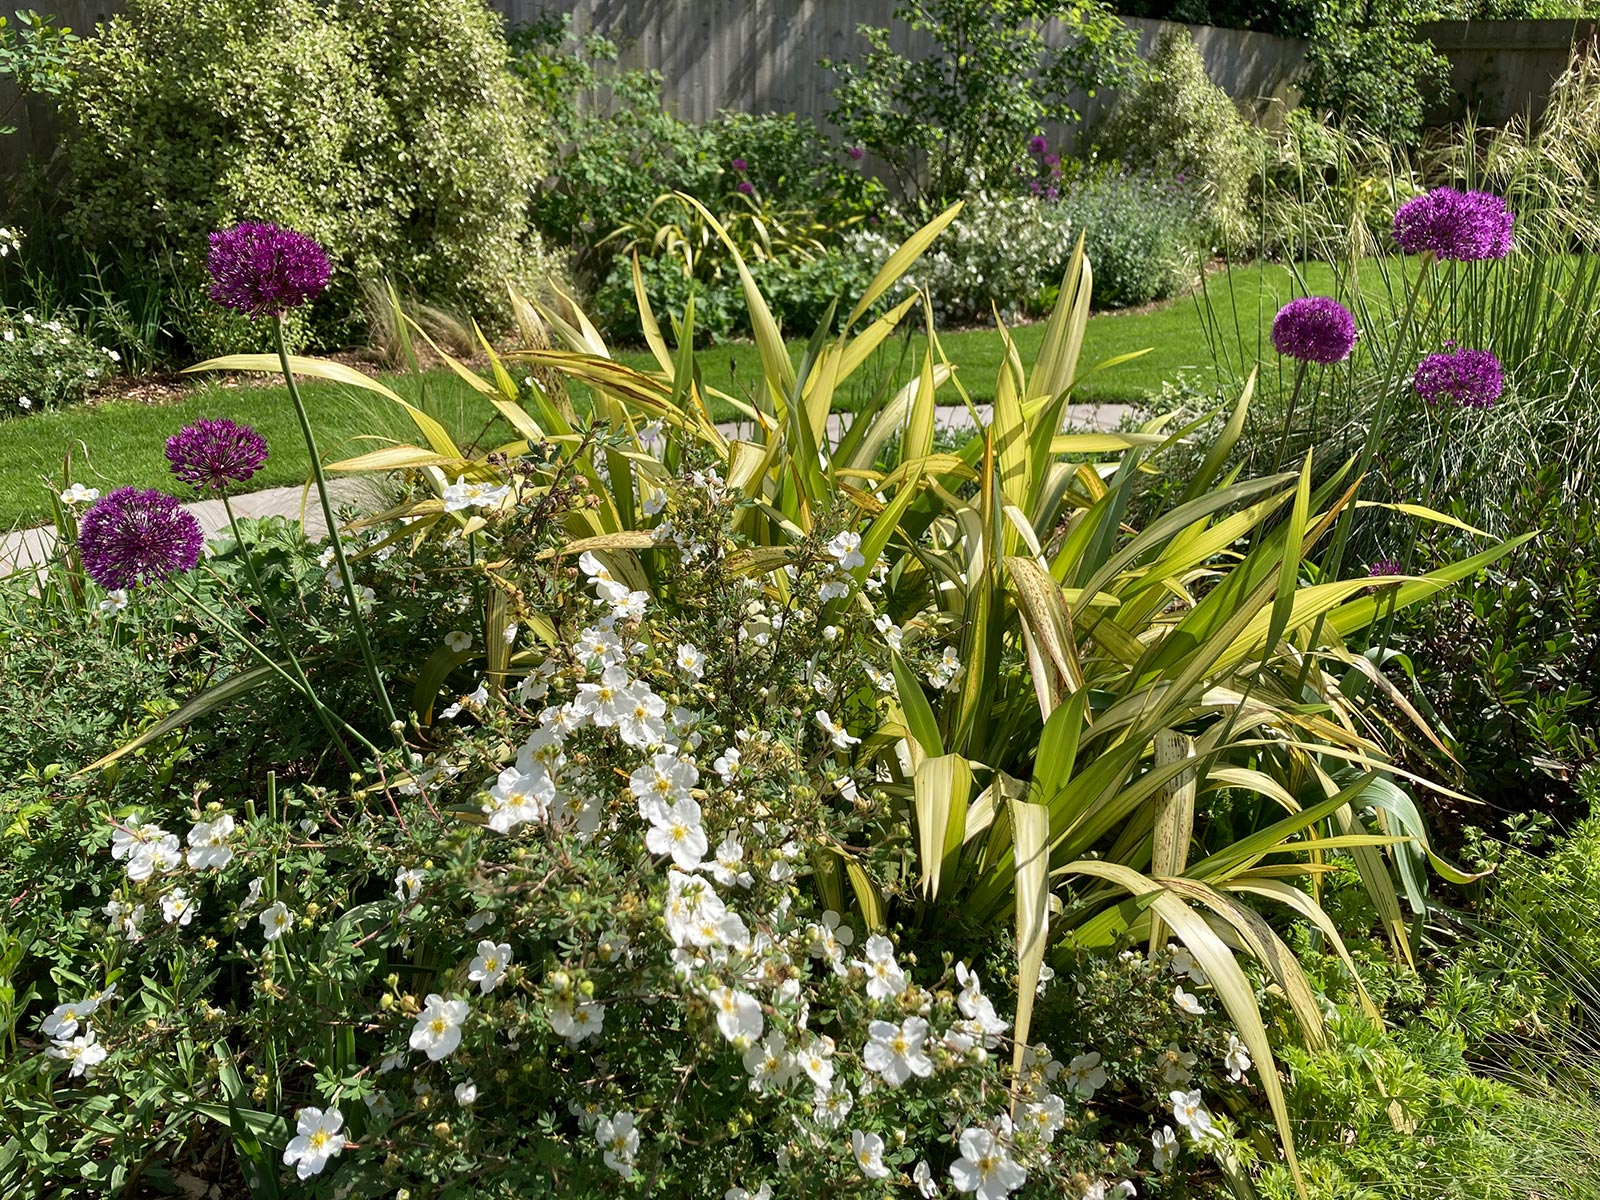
(120, 442)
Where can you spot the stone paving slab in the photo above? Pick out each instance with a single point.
(25, 548)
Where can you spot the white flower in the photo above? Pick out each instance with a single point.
(520, 797)
(922, 1176)
(726, 764)
(739, 1016)
(867, 1148)
(882, 680)
(985, 1166)
(1183, 963)
(839, 735)
(575, 1022)
(677, 831)
(473, 701)
(116, 600)
(1237, 1059)
(1084, 1075)
(640, 722)
(1186, 1002)
(438, 1030)
(1178, 1064)
(78, 494)
(831, 1105)
(663, 783)
(690, 661)
(846, 549)
(619, 1141)
(83, 1052)
(489, 967)
(769, 1063)
(318, 1139)
(63, 1020)
(1046, 1116)
(884, 976)
(1190, 1113)
(1165, 1144)
(891, 631)
(458, 642)
(208, 844)
(727, 865)
(462, 495)
(276, 920)
(177, 906)
(466, 1093)
(895, 1051)
(407, 884)
(828, 939)
(816, 1060)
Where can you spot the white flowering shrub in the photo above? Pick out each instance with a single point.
(593, 932)
(1008, 251)
(47, 364)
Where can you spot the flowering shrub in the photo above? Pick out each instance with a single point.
(47, 364)
(1140, 232)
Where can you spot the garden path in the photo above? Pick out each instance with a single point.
(26, 548)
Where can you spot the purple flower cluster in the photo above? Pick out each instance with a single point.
(265, 270)
(855, 152)
(1314, 329)
(1385, 566)
(134, 537)
(1459, 226)
(210, 454)
(1046, 179)
(739, 164)
(1463, 378)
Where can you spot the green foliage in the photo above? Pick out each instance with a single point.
(415, 161)
(958, 120)
(1366, 65)
(35, 55)
(47, 364)
(1140, 229)
(1171, 120)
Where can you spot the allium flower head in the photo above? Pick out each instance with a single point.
(1038, 144)
(855, 152)
(1385, 566)
(210, 454)
(1459, 226)
(1314, 329)
(264, 270)
(134, 537)
(1463, 378)
(746, 187)
(739, 164)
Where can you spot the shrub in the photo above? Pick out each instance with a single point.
(47, 364)
(1366, 65)
(959, 119)
(415, 160)
(1173, 121)
(1139, 229)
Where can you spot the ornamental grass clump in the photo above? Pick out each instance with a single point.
(133, 538)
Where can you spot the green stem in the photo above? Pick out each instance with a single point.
(1288, 418)
(334, 539)
(306, 689)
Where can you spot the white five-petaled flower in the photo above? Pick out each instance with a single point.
(846, 550)
(208, 844)
(1187, 1002)
(922, 1176)
(690, 661)
(78, 494)
(895, 1051)
(177, 907)
(577, 1021)
(867, 1150)
(1237, 1059)
(816, 1060)
(520, 797)
(83, 1052)
(1189, 1111)
(276, 920)
(489, 967)
(463, 495)
(457, 641)
(466, 1093)
(407, 884)
(663, 783)
(884, 976)
(1164, 1143)
(985, 1166)
(677, 831)
(619, 1142)
(1084, 1075)
(738, 1014)
(317, 1139)
(438, 1029)
(837, 733)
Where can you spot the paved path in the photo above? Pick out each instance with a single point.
(31, 547)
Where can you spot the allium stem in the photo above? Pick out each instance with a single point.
(334, 539)
(327, 718)
(1288, 417)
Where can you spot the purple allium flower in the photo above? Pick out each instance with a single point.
(210, 454)
(134, 537)
(265, 270)
(747, 187)
(1385, 566)
(1037, 144)
(1460, 226)
(1464, 378)
(739, 164)
(854, 152)
(1314, 329)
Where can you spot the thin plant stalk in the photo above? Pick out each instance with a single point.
(367, 657)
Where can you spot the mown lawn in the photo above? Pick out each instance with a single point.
(120, 442)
